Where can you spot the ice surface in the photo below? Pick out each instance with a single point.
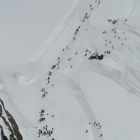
(84, 83)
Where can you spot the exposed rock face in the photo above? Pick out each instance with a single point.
(8, 127)
(3, 137)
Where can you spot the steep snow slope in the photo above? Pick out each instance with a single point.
(82, 84)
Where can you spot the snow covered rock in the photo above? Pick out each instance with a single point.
(8, 129)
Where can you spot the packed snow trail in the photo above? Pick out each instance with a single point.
(81, 12)
(70, 44)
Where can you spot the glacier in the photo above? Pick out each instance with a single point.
(82, 84)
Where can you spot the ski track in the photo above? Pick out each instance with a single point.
(81, 98)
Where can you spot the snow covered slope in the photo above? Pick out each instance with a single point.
(83, 84)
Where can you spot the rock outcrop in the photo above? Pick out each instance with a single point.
(8, 127)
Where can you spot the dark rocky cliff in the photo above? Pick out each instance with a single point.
(8, 124)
